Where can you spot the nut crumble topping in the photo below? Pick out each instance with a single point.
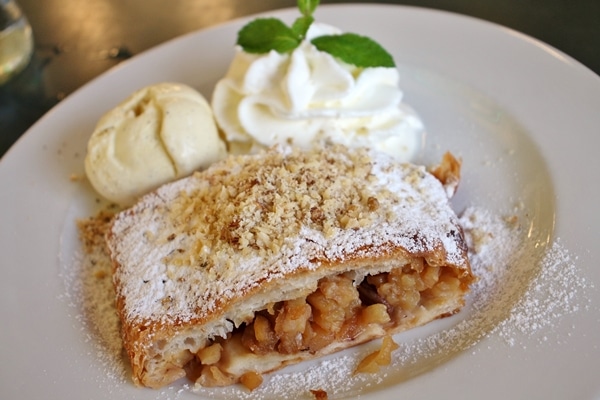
(192, 246)
(257, 206)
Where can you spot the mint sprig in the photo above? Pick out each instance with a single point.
(355, 49)
(265, 34)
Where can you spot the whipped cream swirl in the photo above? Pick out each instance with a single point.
(308, 96)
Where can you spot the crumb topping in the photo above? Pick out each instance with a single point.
(188, 248)
(252, 208)
(93, 230)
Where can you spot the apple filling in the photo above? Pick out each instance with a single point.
(340, 310)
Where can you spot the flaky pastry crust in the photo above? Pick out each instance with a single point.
(280, 237)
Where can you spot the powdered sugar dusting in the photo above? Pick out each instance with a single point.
(91, 293)
(509, 301)
(557, 291)
(276, 215)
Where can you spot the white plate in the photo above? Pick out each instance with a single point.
(523, 116)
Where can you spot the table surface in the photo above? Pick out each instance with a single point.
(76, 40)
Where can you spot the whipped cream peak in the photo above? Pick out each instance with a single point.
(308, 96)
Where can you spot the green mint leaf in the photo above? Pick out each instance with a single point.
(355, 49)
(307, 7)
(301, 25)
(265, 34)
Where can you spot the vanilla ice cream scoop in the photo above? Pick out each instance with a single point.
(159, 133)
(308, 96)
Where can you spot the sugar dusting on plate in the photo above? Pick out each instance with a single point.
(521, 292)
(558, 290)
(90, 291)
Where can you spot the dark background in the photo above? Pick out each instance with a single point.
(77, 40)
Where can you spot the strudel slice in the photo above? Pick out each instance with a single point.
(266, 260)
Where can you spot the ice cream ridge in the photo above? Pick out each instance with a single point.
(313, 93)
(159, 133)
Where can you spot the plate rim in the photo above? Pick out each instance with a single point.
(8, 160)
